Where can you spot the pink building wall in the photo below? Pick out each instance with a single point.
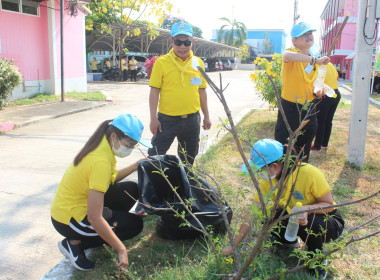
(74, 43)
(347, 39)
(24, 38)
(34, 43)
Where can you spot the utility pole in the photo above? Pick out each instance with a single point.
(296, 15)
(361, 89)
(62, 53)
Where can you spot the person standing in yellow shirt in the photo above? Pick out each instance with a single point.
(344, 73)
(94, 65)
(124, 68)
(326, 108)
(299, 70)
(91, 206)
(107, 63)
(179, 91)
(132, 68)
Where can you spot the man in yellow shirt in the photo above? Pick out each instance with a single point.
(94, 65)
(309, 187)
(132, 68)
(124, 68)
(299, 71)
(179, 91)
(107, 63)
(326, 108)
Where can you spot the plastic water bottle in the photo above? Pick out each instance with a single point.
(203, 142)
(320, 80)
(292, 227)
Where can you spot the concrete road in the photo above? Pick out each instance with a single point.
(34, 158)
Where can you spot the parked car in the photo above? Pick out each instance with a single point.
(227, 65)
(140, 61)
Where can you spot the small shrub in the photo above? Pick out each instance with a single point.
(261, 79)
(10, 77)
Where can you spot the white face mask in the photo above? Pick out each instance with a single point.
(122, 151)
(264, 175)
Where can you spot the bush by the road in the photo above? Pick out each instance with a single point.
(10, 77)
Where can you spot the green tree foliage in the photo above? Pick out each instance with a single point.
(169, 21)
(262, 83)
(114, 17)
(10, 77)
(233, 33)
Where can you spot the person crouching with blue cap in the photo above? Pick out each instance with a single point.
(91, 206)
(299, 70)
(311, 189)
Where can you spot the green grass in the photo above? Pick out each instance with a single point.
(151, 257)
(375, 96)
(45, 97)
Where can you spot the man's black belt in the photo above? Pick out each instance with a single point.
(181, 116)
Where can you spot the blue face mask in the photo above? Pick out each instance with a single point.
(123, 151)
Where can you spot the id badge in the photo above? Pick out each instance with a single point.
(308, 68)
(196, 81)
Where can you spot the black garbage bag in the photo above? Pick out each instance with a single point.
(155, 191)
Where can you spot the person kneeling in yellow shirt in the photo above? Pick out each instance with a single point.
(311, 189)
(91, 206)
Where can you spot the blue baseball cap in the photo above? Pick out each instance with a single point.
(270, 149)
(181, 28)
(300, 29)
(132, 127)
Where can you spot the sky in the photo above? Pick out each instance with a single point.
(255, 14)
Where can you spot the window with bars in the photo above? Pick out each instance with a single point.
(21, 6)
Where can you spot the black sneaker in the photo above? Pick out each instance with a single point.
(76, 255)
(320, 272)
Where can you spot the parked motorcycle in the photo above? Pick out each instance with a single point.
(110, 73)
(141, 73)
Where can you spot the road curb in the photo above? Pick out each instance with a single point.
(371, 100)
(7, 126)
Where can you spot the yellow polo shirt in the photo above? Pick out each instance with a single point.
(177, 96)
(132, 64)
(331, 78)
(310, 185)
(94, 65)
(108, 63)
(295, 88)
(96, 171)
(123, 66)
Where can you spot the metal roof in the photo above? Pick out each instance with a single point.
(158, 45)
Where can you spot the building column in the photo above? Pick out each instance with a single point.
(53, 84)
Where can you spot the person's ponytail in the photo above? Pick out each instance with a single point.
(93, 142)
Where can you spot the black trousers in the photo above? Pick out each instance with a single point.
(185, 129)
(116, 212)
(125, 75)
(292, 112)
(133, 75)
(325, 113)
(333, 223)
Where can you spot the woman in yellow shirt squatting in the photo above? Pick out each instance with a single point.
(299, 70)
(91, 206)
(311, 189)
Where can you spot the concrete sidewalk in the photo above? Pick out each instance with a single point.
(19, 116)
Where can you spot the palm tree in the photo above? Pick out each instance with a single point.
(233, 33)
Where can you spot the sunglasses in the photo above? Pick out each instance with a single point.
(178, 42)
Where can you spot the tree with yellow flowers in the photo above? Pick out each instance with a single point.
(262, 83)
(114, 17)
